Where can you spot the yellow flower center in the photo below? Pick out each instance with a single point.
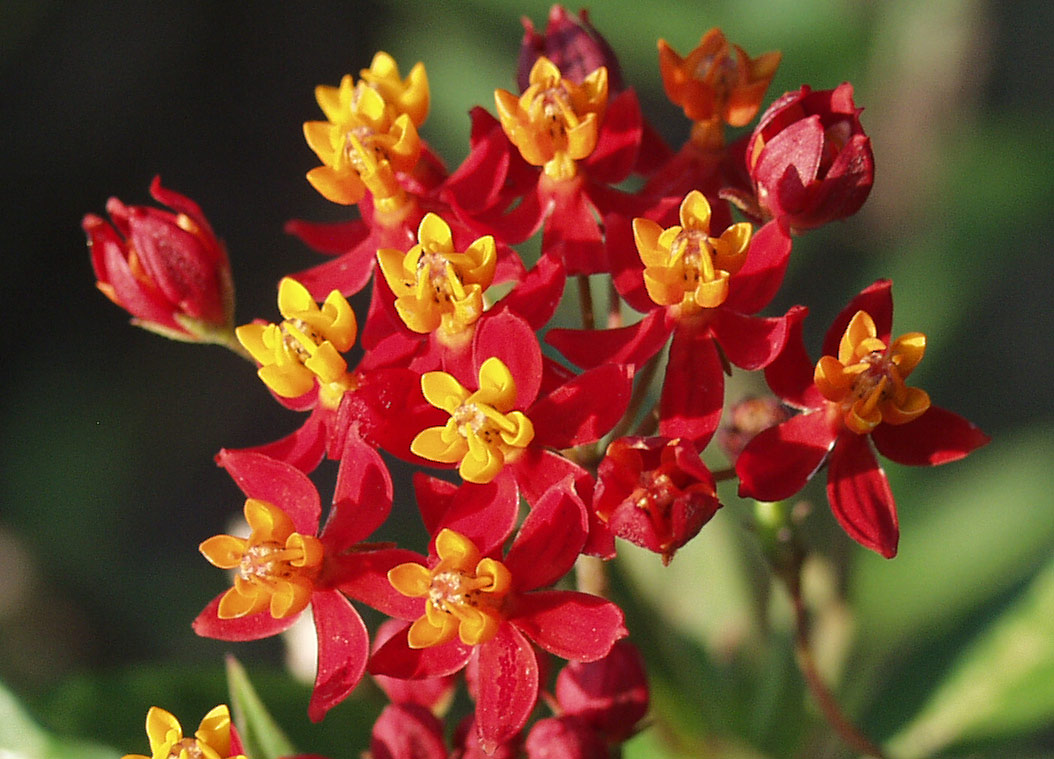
(465, 593)
(483, 432)
(865, 383)
(275, 567)
(555, 122)
(684, 265)
(306, 346)
(436, 287)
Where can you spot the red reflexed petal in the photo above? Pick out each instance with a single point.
(434, 498)
(619, 140)
(693, 391)
(584, 409)
(627, 270)
(343, 647)
(536, 297)
(572, 232)
(253, 627)
(632, 345)
(877, 300)
(179, 203)
(332, 239)
(789, 162)
(550, 539)
(790, 374)
(757, 283)
(478, 182)
(508, 687)
(407, 731)
(538, 468)
(303, 448)
(570, 624)
(277, 483)
(750, 342)
(512, 340)
(396, 659)
(362, 497)
(363, 575)
(485, 514)
(860, 498)
(778, 462)
(349, 273)
(936, 437)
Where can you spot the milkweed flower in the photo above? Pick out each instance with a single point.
(854, 396)
(214, 738)
(287, 564)
(165, 267)
(474, 603)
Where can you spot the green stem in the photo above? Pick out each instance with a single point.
(585, 302)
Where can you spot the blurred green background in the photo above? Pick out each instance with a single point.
(108, 432)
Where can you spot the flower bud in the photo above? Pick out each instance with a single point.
(166, 268)
(747, 418)
(566, 738)
(609, 694)
(572, 44)
(809, 158)
(655, 492)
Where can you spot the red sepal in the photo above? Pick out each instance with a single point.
(936, 437)
(253, 627)
(859, 494)
(343, 647)
(569, 624)
(549, 540)
(277, 483)
(508, 687)
(778, 461)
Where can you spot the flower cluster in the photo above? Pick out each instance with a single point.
(603, 444)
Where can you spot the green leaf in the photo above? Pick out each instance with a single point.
(260, 734)
(1002, 684)
(22, 738)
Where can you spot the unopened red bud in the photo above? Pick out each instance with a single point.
(573, 44)
(610, 694)
(407, 731)
(564, 738)
(746, 419)
(165, 267)
(809, 158)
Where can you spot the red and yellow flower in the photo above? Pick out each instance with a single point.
(214, 738)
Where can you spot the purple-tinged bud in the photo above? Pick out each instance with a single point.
(573, 44)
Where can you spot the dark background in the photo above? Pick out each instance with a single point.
(107, 432)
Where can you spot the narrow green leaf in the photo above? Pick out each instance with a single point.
(22, 738)
(1001, 685)
(260, 734)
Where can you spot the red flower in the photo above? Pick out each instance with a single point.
(471, 603)
(810, 159)
(283, 567)
(654, 492)
(854, 393)
(166, 268)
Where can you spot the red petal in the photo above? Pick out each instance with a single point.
(343, 647)
(434, 498)
(363, 575)
(396, 659)
(508, 687)
(277, 483)
(778, 462)
(572, 233)
(750, 342)
(936, 437)
(619, 140)
(349, 273)
(584, 409)
(512, 340)
(536, 297)
(693, 391)
(790, 374)
(859, 494)
(550, 539)
(179, 203)
(485, 514)
(253, 627)
(538, 468)
(788, 162)
(632, 345)
(332, 239)
(570, 624)
(303, 448)
(757, 283)
(362, 497)
(627, 270)
(877, 300)
(477, 183)
(407, 731)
